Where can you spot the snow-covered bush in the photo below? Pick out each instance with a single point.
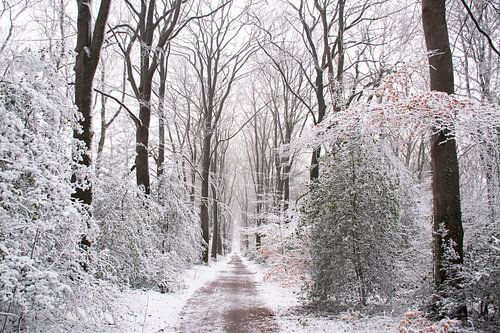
(402, 108)
(355, 215)
(149, 240)
(284, 251)
(481, 270)
(480, 191)
(41, 272)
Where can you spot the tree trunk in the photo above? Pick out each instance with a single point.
(258, 237)
(215, 210)
(84, 77)
(141, 149)
(161, 118)
(244, 216)
(314, 171)
(421, 159)
(142, 132)
(222, 236)
(88, 49)
(205, 166)
(215, 235)
(445, 173)
(102, 137)
(286, 186)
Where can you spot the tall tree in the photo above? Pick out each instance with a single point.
(155, 28)
(217, 56)
(326, 30)
(88, 51)
(448, 231)
(258, 146)
(157, 23)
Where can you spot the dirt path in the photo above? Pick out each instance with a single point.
(230, 303)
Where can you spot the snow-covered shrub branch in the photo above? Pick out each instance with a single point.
(41, 271)
(149, 240)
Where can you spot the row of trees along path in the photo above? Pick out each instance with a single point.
(221, 27)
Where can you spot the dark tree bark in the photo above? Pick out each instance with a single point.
(215, 207)
(222, 236)
(322, 62)
(205, 174)
(215, 217)
(320, 96)
(161, 116)
(153, 33)
(88, 49)
(445, 173)
(102, 137)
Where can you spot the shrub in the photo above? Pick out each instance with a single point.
(41, 274)
(149, 240)
(355, 213)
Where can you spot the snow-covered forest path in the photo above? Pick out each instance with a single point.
(230, 303)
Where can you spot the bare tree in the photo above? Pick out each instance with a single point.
(155, 27)
(10, 11)
(217, 58)
(258, 145)
(288, 118)
(185, 124)
(448, 231)
(325, 30)
(104, 96)
(88, 48)
(476, 65)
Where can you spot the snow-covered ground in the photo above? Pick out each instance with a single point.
(284, 301)
(151, 311)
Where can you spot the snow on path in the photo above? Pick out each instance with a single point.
(230, 297)
(230, 303)
(150, 311)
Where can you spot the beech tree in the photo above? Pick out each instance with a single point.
(88, 48)
(258, 154)
(217, 58)
(288, 119)
(155, 27)
(476, 67)
(222, 191)
(448, 230)
(185, 123)
(326, 32)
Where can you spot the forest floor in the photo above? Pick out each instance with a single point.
(231, 295)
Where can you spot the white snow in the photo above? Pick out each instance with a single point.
(284, 303)
(152, 311)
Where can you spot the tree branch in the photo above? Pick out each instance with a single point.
(476, 23)
(136, 120)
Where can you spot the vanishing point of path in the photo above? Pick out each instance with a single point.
(230, 303)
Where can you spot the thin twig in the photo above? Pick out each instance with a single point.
(490, 41)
